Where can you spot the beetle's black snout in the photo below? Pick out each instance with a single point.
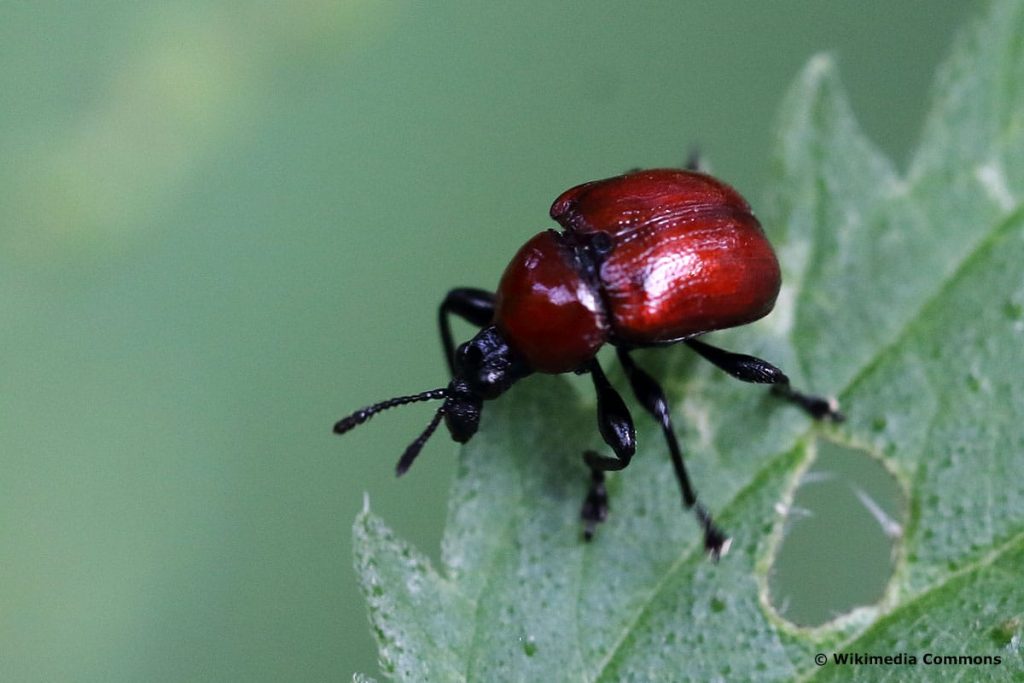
(462, 411)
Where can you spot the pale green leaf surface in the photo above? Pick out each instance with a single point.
(905, 296)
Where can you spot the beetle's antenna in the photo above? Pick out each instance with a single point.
(360, 416)
(405, 462)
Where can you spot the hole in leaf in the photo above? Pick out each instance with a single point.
(838, 544)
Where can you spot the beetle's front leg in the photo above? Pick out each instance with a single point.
(751, 369)
(475, 306)
(613, 420)
(616, 427)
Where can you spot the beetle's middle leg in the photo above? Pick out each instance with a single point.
(652, 398)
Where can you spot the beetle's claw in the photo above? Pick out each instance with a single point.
(718, 546)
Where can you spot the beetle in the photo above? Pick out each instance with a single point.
(650, 258)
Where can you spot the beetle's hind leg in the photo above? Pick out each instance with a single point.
(695, 160)
(475, 306)
(751, 369)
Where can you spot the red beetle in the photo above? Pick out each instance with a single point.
(649, 258)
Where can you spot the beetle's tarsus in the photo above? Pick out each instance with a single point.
(717, 546)
(716, 542)
(818, 407)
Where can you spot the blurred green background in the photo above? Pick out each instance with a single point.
(225, 225)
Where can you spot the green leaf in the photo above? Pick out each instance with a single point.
(905, 295)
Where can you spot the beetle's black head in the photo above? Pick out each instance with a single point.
(487, 365)
(485, 368)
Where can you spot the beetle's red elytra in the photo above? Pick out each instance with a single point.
(685, 256)
(649, 258)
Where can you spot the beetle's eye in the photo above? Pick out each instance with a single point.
(471, 356)
(601, 243)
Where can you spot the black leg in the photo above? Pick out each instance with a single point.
(751, 369)
(693, 160)
(652, 398)
(616, 427)
(614, 422)
(475, 306)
